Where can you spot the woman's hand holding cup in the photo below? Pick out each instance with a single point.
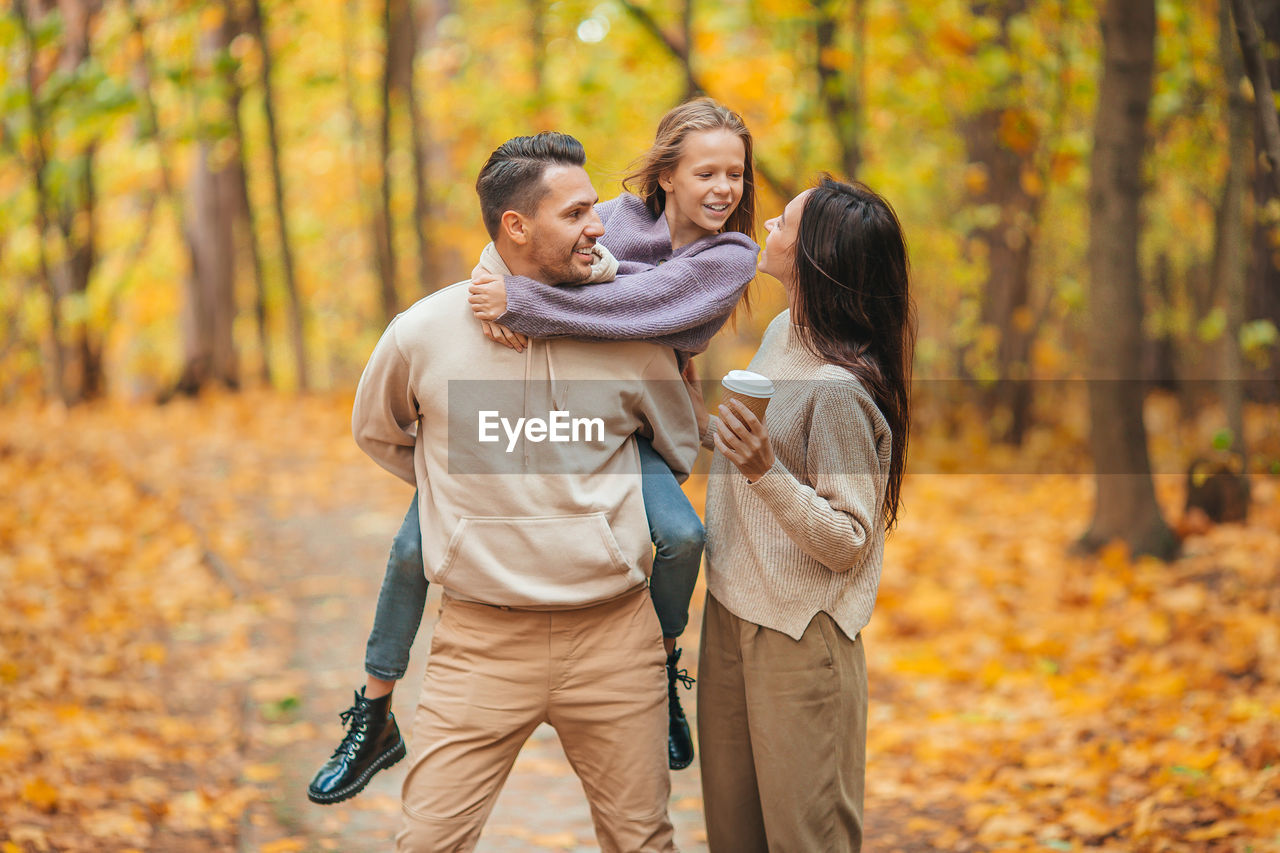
(742, 437)
(744, 440)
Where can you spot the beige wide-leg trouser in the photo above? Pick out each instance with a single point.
(597, 675)
(782, 726)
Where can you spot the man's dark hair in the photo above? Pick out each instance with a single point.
(512, 178)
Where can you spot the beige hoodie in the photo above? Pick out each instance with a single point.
(516, 519)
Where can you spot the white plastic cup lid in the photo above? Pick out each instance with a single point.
(748, 383)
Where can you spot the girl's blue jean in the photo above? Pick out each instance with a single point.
(677, 537)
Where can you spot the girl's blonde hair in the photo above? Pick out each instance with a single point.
(693, 116)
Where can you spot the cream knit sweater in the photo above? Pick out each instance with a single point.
(807, 536)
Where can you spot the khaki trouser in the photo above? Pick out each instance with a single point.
(783, 731)
(596, 674)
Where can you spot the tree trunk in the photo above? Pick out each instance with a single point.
(74, 371)
(420, 139)
(1230, 251)
(383, 222)
(1160, 363)
(87, 380)
(538, 64)
(358, 150)
(245, 214)
(1000, 140)
(402, 49)
(297, 326)
(55, 360)
(836, 89)
(196, 370)
(447, 260)
(209, 309)
(691, 86)
(1126, 507)
(1263, 299)
(1007, 294)
(77, 221)
(1251, 51)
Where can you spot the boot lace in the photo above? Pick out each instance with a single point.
(356, 721)
(682, 676)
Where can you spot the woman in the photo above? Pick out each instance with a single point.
(796, 518)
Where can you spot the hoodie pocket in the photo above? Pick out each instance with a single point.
(557, 560)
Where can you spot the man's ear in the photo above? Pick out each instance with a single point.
(515, 226)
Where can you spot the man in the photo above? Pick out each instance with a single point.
(542, 548)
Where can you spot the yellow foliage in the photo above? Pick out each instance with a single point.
(1031, 183)
(40, 794)
(211, 17)
(1017, 131)
(976, 178)
(284, 845)
(956, 39)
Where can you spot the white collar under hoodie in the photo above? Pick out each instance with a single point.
(513, 517)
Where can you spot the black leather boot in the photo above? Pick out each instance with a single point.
(373, 742)
(679, 740)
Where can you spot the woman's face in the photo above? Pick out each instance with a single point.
(779, 256)
(706, 184)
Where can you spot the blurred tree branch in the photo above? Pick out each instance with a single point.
(1251, 50)
(53, 377)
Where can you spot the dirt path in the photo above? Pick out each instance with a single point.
(329, 561)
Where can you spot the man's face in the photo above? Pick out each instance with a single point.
(565, 227)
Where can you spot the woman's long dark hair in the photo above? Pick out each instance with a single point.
(852, 304)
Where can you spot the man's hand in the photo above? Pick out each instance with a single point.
(744, 440)
(488, 295)
(501, 334)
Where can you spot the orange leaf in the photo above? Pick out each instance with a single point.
(40, 794)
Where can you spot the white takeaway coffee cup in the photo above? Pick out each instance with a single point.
(754, 390)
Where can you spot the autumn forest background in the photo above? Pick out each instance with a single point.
(210, 209)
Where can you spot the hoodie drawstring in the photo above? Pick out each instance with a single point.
(524, 403)
(559, 393)
(557, 402)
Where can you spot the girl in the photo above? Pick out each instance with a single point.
(795, 535)
(684, 245)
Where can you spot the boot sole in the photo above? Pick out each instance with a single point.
(674, 766)
(382, 762)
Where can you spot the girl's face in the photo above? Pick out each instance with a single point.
(778, 258)
(706, 184)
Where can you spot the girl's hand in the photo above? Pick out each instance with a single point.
(502, 335)
(694, 387)
(488, 295)
(744, 440)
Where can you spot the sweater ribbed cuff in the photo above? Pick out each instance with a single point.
(515, 309)
(776, 487)
(708, 435)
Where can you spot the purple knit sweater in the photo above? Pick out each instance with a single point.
(678, 299)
